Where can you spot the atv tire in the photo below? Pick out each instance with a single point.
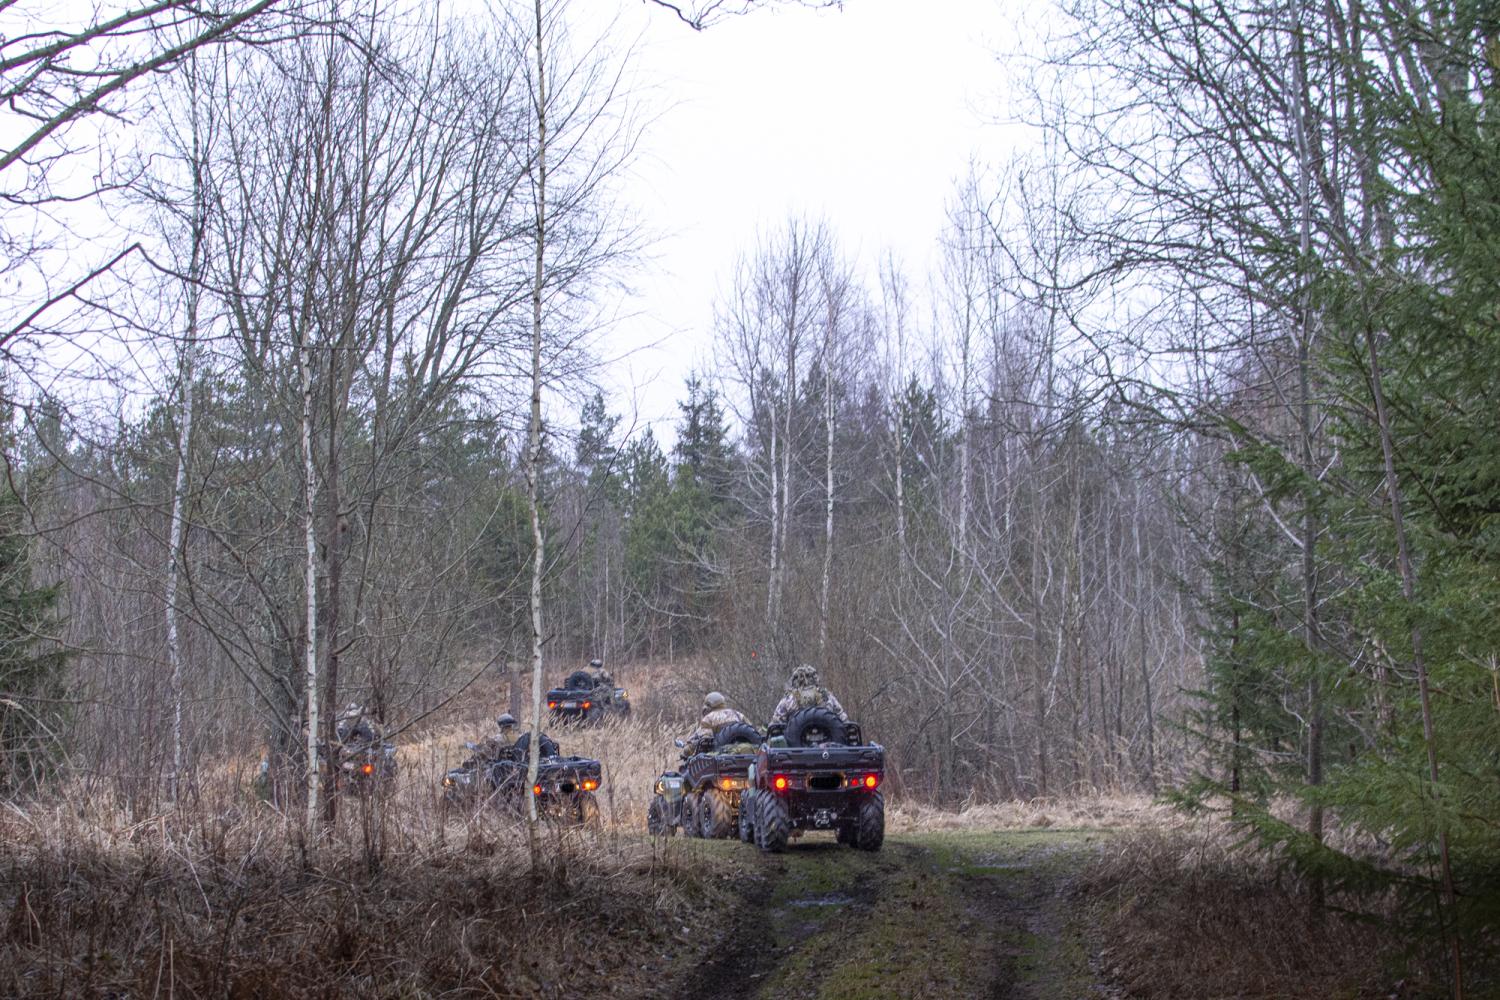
(869, 828)
(801, 726)
(690, 819)
(747, 817)
(736, 732)
(586, 812)
(658, 821)
(773, 827)
(715, 815)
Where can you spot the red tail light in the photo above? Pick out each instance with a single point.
(871, 780)
(589, 784)
(368, 769)
(551, 704)
(536, 789)
(780, 783)
(587, 705)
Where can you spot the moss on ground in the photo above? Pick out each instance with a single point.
(954, 914)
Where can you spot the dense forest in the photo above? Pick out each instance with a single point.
(1179, 475)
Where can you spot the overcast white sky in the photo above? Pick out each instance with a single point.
(865, 116)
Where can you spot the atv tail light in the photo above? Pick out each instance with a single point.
(551, 704)
(587, 705)
(871, 780)
(589, 784)
(536, 789)
(368, 769)
(731, 783)
(780, 782)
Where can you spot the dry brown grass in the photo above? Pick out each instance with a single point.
(231, 905)
(401, 898)
(1105, 812)
(1188, 915)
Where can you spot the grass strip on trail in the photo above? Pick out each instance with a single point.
(952, 914)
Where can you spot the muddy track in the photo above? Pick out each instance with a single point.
(963, 915)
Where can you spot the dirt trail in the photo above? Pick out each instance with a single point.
(952, 914)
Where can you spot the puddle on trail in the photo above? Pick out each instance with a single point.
(829, 899)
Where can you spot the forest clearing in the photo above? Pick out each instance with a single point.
(1094, 897)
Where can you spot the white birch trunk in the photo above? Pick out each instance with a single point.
(965, 375)
(534, 437)
(186, 372)
(772, 597)
(828, 413)
(310, 492)
(175, 539)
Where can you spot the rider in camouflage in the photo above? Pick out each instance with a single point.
(499, 745)
(601, 677)
(353, 726)
(716, 715)
(804, 691)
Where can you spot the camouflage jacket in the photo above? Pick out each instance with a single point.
(492, 748)
(807, 697)
(712, 722)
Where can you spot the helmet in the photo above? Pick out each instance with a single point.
(353, 710)
(804, 676)
(596, 664)
(505, 720)
(713, 701)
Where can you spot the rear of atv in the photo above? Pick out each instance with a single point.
(702, 799)
(587, 706)
(564, 789)
(826, 787)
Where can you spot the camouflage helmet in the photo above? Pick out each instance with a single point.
(596, 663)
(353, 710)
(505, 719)
(805, 676)
(713, 701)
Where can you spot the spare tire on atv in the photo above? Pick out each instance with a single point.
(736, 732)
(580, 679)
(814, 726)
(522, 749)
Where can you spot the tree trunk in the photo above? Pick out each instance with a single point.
(828, 422)
(1310, 529)
(534, 443)
(310, 582)
(1419, 660)
(187, 372)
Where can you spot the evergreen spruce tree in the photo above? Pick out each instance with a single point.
(31, 658)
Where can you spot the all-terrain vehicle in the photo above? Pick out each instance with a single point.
(702, 797)
(360, 767)
(584, 698)
(815, 773)
(564, 787)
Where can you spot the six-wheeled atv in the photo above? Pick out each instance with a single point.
(815, 773)
(583, 698)
(703, 797)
